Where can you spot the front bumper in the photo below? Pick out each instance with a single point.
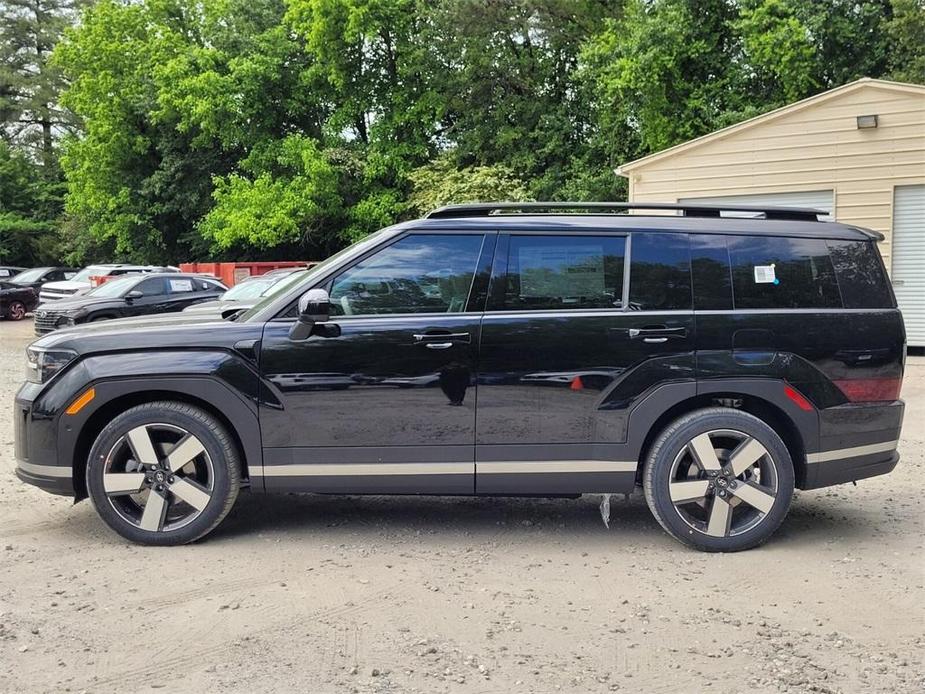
(35, 446)
(857, 441)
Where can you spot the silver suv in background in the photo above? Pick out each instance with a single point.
(80, 283)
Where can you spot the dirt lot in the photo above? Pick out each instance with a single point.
(377, 594)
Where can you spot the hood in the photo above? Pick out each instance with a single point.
(218, 307)
(151, 332)
(66, 285)
(78, 302)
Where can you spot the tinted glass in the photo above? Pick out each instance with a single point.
(660, 272)
(88, 272)
(29, 275)
(712, 279)
(421, 273)
(152, 287)
(781, 272)
(564, 272)
(113, 288)
(861, 277)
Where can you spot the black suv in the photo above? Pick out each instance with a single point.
(522, 349)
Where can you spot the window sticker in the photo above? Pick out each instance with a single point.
(764, 274)
(181, 285)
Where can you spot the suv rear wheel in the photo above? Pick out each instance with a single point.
(163, 473)
(719, 480)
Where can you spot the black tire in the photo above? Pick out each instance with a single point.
(211, 478)
(674, 471)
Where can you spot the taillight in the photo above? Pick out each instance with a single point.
(870, 389)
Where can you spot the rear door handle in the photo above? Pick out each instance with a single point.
(659, 334)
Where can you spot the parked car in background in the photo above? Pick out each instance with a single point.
(135, 295)
(16, 300)
(38, 276)
(247, 293)
(81, 282)
(7, 271)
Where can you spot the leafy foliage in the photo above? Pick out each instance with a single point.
(286, 128)
(441, 183)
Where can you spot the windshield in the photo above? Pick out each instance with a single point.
(85, 274)
(308, 276)
(27, 276)
(113, 288)
(250, 289)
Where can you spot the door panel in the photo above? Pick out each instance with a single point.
(349, 399)
(556, 387)
(380, 402)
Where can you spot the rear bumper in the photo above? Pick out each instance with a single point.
(856, 442)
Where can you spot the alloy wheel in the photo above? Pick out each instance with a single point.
(723, 483)
(158, 477)
(17, 310)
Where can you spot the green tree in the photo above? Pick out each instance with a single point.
(29, 205)
(29, 84)
(440, 183)
(511, 94)
(778, 48)
(906, 33)
(665, 72)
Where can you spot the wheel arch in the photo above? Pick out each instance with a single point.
(118, 396)
(799, 434)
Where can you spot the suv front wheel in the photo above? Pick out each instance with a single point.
(719, 480)
(163, 473)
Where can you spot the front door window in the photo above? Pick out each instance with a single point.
(426, 273)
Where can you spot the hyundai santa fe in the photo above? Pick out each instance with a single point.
(716, 357)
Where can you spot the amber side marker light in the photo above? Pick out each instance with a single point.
(79, 403)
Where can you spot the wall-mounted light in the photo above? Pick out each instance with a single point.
(865, 122)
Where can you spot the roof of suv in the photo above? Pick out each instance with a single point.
(707, 219)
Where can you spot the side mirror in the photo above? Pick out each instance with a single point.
(314, 307)
(132, 295)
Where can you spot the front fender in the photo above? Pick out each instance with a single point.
(222, 380)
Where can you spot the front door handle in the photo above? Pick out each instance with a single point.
(435, 339)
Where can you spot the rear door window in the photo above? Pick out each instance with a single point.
(563, 272)
(861, 277)
(660, 272)
(782, 272)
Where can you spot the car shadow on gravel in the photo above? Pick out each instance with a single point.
(495, 518)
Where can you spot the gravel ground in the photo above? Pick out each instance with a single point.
(380, 594)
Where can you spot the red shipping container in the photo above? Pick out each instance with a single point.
(232, 273)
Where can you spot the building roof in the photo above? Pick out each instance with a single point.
(835, 93)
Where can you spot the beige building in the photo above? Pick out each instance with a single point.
(857, 152)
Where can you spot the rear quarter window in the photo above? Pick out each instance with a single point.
(782, 272)
(860, 274)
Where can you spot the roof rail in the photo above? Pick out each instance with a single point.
(485, 209)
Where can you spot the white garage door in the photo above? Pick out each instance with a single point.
(909, 259)
(816, 199)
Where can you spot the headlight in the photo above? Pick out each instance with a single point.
(42, 364)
